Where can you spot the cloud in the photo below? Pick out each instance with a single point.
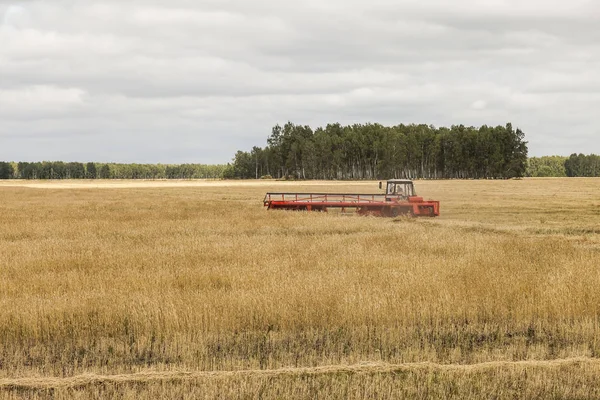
(35, 102)
(479, 105)
(193, 81)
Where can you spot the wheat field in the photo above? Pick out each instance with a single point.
(194, 290)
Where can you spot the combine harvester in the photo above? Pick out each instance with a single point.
(400, 198)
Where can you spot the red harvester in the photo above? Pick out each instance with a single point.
(399, 198)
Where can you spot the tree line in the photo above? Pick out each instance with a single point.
(91, 170)
(374, 151)
(577, 165)
(582, 165)
(368, 151)
(547, 166)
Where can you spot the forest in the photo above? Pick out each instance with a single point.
(547, 166)
(91, 170)
(582, 165)
(577, 165)
(374, 151)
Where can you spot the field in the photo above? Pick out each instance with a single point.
(193, 290)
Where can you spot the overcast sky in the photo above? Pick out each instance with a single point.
(195, 80)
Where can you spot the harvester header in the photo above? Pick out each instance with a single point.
(400, 198)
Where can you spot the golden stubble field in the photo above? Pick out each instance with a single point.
(193, 290)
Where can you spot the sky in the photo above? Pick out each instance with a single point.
(195, 80)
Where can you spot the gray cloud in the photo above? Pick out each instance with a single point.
(193, 81)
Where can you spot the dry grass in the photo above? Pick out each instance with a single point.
(199, 278)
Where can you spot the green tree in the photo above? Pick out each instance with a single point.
(90, 170)
(548, 166)
(6, 170)
(104, 172)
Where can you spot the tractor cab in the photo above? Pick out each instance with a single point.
(402, 188)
